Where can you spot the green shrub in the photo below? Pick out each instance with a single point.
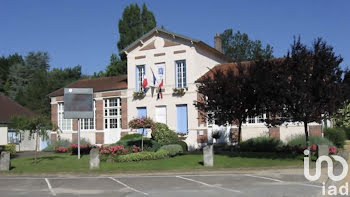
(10, 148)
(336, 135)
(173, 149)
(347, 132)
(148, 144)
(299, 140)
(141, 156)
(131, 136)
(162, 134)
(182, 144)
(261, 144)
(60, 143)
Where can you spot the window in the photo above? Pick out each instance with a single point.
(13, 137)
(256, 120)
(161, 73)
(140, 75)
(161, 114)
(88, 123)
(112, 113)
(63, 124)
(180, 74)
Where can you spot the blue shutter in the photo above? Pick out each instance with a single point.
(181, 113)
(141, 112)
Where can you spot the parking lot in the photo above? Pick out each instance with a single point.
(223, 184)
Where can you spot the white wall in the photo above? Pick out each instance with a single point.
(3, 134)
(197, 62)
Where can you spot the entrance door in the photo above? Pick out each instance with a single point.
(182, 122)
(112, 119)
(141, 112)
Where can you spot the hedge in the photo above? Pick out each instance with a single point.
(148, 144)
(173, 149)
(142, 156)
(9, 148)
(131, 136)
(260, 144)
(336, 135)
(299, 140)
(162, 134)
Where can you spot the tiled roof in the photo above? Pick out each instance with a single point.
(9, 108)
(233, 65)
(98, 84)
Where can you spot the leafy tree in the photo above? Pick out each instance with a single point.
(228, 96)
(20, 74)
(116, 66)
(312, 84)
(37, 126)
(239, 47)
(134, 24)
(5, 64)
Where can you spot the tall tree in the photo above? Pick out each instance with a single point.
(20, 74)
(313, 84)
(116, 66)
(5, 65)
(134, 24)
(239, 47)
(228, 96)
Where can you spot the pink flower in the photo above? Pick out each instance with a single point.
(313, 148)
(332, 150)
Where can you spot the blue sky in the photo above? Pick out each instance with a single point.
(86, 32)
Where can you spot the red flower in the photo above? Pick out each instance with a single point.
(313, 148)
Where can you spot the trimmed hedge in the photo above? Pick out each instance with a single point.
(299, 140)
(182, 144)
(162, 134)
(336, 135)
(173, 149)
(9, 148)
(347, 132)
(148, 144)
(131, 136)
(142, 156)
(260, 144)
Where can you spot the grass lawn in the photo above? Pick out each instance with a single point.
(69, 163)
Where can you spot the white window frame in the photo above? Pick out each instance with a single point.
(140, 76)
(180, 74)
(63, 124)
(83, 121)
(107, 117)
(255, 120)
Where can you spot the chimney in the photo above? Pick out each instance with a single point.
(218, 42)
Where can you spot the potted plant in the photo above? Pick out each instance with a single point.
(179, 91)
(139, 95)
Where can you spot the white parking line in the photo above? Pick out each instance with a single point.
(50, 187)
(208, 185)
(127, 186)
(262, 177)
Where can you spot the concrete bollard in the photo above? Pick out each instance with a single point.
(94, 159)
(208, 155)
(322, 150)
(5, 161)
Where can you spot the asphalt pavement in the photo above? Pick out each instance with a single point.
(267, 184)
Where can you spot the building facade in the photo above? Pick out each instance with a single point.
(162, 68)
(110, 112)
